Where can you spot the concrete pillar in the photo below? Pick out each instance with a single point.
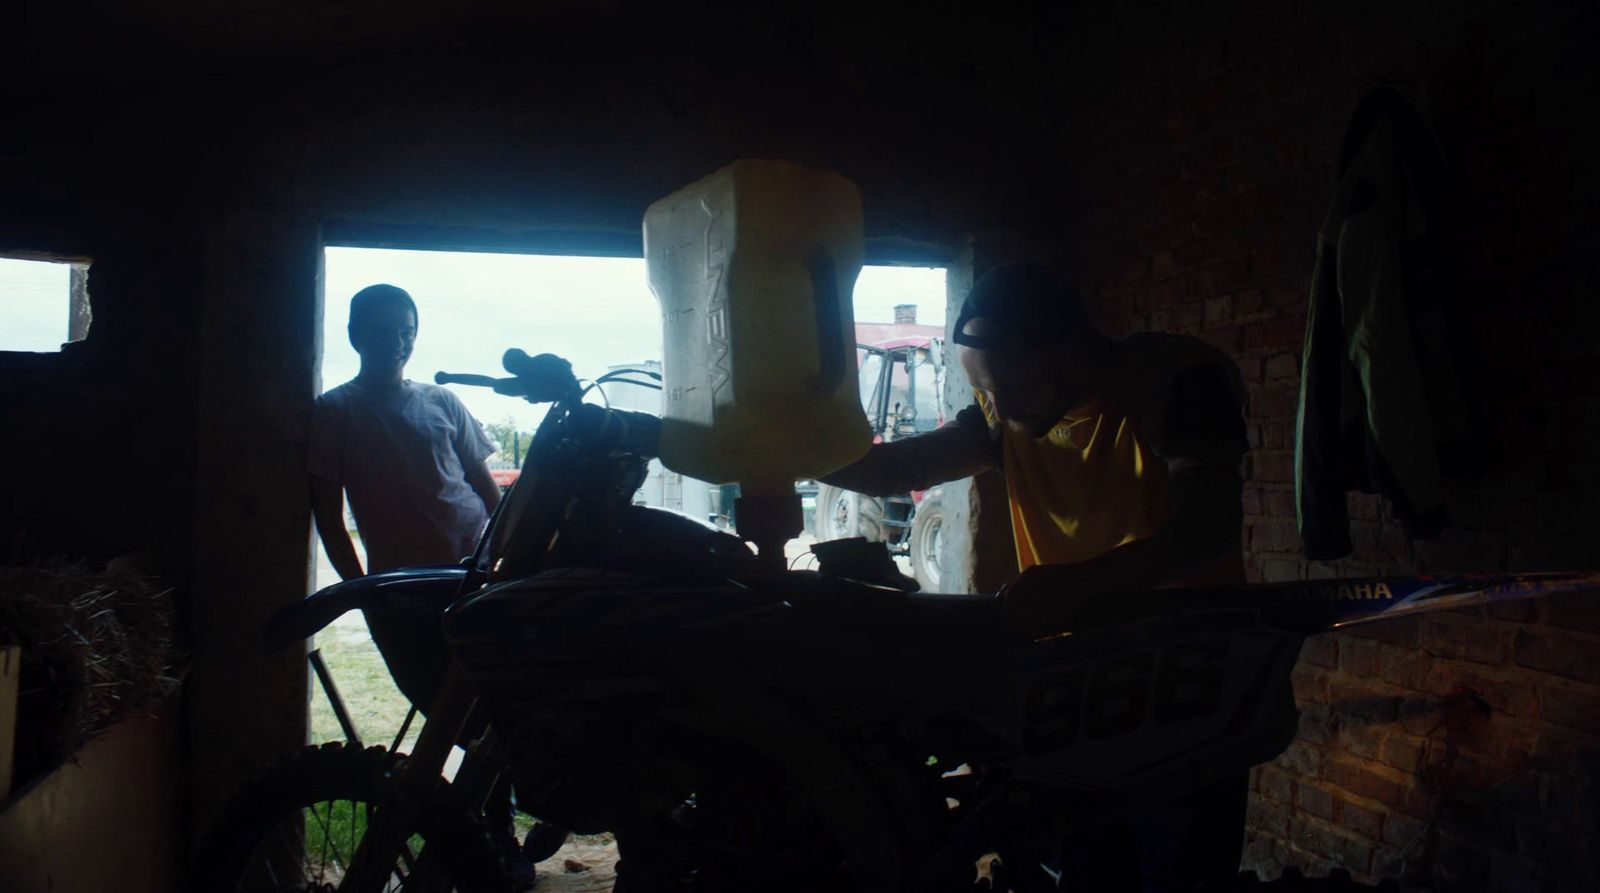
(979, 554)
(259, 345)
(79, 316)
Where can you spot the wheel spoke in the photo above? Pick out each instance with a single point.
(327, 836)
(305, 845)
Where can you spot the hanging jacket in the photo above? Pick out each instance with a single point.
(1380, 396)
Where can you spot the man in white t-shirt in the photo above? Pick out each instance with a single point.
(407, 454)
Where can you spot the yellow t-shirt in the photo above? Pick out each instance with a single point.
(1098, 479)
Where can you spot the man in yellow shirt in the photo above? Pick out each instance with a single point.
(1122, 465)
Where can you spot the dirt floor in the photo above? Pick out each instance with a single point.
(584, 865)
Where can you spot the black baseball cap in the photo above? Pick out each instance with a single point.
(1026, 305)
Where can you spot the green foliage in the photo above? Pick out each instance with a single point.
(513, 443)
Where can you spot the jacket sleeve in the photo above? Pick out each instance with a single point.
(958, 449)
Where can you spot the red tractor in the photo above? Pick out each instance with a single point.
(902, 378)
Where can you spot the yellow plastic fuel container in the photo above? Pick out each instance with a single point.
(754, 267)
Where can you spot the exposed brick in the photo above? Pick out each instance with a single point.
(1314, 800)
(1362, 507)
(1363, 821)
(1465, 640)
(1362, 702)
(1415, 800)
(1272, 466)
(1218, 311)
(1287, 294)
(1318, 723)
(1322, 651)
(1268, 816)
(1387, 863)
(1579, 610)
(1502, 746)
(1278, 400)
(1361, 739)
(1250, 501)
(1499, 691)
(1346, 850)
(1404, 752)
(1161, 264)
(1274, 537)
(1278, 434)
(1405, 667)
(1310, 683)
(1287, 332)
(1280, 503)
(1519, 611)
(1276, 785)
(1363, 777)
(1573, 658)
(1187, 314)
(1264, 855)
(1359, 657)
(1402, 831)
(1282, 365)
(1303, 758)
(1400, 631)
(1572, 708)
(1281, 570)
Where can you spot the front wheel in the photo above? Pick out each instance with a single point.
(841, 514)
(927, 542)
(295, 829)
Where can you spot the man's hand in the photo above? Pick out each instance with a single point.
(482, 483)
(1046, 598)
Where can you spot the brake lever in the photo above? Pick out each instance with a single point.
(509, 387)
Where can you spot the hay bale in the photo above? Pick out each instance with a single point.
(97, 646)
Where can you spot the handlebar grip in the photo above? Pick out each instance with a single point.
(546, 376)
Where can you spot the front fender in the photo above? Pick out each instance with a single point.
(403, 591)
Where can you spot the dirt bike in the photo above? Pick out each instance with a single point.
(743, 729)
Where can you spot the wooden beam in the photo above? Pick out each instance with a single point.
(10, 671)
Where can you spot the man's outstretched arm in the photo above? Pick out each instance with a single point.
(958, 449)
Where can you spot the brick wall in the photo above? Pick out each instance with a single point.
(1460, 747)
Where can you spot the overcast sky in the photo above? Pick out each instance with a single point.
(35, 301)
(596, 312)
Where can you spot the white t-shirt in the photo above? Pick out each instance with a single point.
(401, 458)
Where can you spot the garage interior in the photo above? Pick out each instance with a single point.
(1177, 158)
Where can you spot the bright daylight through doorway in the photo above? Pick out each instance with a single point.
(597, 312)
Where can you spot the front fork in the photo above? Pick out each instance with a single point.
(395, 820)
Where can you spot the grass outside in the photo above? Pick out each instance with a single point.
(376, 706)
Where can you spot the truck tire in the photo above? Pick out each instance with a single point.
(842, 514)
(927, 542)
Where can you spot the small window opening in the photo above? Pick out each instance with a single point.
(44, 304)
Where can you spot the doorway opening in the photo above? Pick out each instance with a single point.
(598, 312)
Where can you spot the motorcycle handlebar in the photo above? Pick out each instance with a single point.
(539, 379)
(477, 381)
